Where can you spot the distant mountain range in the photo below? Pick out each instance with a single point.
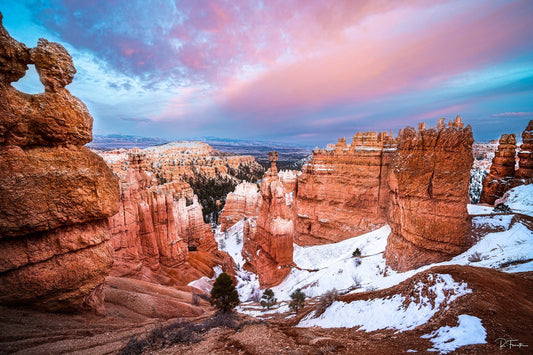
(290, 156)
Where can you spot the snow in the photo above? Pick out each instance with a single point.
(469, 331)
(496, 221)
(325, 267)
(394, 312)
(479, 209)
(497, 249)
(232, 240)
(331, 266)
(519, 199)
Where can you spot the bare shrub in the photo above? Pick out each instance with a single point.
(476, 257)
(356, 281)
(325, 301)
(357, 261)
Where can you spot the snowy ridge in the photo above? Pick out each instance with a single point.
(519, 199)
(396, 312)
(469, 331)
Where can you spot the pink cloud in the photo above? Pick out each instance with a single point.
(361, 69)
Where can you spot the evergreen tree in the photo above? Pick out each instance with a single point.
(298, 300)
(268, 299)
(224, 296)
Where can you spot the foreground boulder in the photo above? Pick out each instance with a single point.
(429, 194)
(55, 195)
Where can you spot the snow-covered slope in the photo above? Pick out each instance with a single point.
(326, 267)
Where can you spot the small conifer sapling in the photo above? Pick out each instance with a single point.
(268, 300)
(224, 296)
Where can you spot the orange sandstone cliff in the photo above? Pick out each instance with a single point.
(429, 178)
(342, 192)
(55, 194)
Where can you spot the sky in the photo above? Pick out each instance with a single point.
(294, 71)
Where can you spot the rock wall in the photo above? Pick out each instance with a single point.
(342, 192)
(156, 226)
(502, 170)
(55, 195)
(268, 239)
(211, 174)
(428, 178)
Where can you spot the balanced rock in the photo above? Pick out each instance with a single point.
(55, 195)
(429, 180)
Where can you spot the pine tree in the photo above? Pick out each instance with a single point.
(268, 299)
(298, 300)
(224, 296)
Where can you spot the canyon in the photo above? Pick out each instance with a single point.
(131, 234)
(417, 183)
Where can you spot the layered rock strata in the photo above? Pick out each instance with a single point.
(268, 239)
(502, 170)
(243, 203)
(156, 227)
(525, 156)
(342, 192)
(55, 195)
(428, 179)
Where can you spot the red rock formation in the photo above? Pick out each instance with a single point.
(525, 155)
(55, 194)
(342, 192)
(268, 239)
(155, 226)
(241, 203)
(502, 170)
(429, 192)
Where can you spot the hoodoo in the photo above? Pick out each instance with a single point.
(429, 180)
(268, 239)
(55, 194)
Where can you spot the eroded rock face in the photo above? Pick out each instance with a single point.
(241, 203)
(502, 170)
(55, 194)
(429, 193)
(156, 226)
(342, 192)
(268, 239)
(525, 155)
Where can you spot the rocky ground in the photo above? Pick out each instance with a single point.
(502, 301)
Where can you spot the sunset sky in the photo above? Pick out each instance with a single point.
(302, 71)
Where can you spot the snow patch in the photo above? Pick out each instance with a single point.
(469, 331)
(396, 312)
(519, 199)
(496, 221)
